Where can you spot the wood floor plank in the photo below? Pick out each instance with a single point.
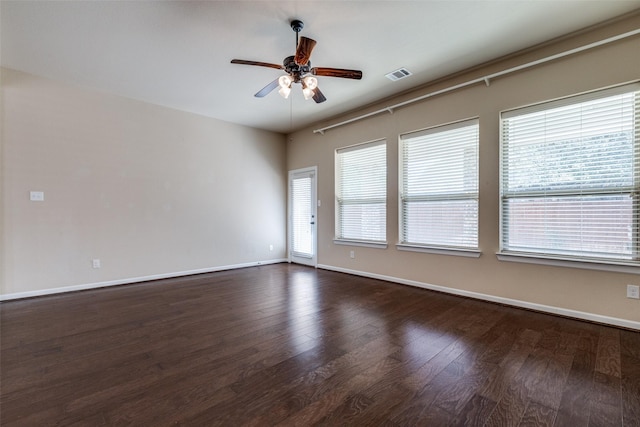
(295, 346)
(630, 373)
(447, 381)
(315, 384)
(606, 403)
(515, 399)
(551, 382)
(475, 412)
(574, 407)
(497, 383)
(537, 415)
(608, 357)
(328, 401)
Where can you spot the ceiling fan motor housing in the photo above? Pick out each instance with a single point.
(296, 71)
(297, 25)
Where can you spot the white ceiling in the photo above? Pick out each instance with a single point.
(177, 53)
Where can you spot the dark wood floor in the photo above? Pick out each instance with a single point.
(291, 345)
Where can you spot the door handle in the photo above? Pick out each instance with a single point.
(312, 223)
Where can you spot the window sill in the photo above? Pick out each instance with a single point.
(469, 253)
(363, 243)
(603, 265)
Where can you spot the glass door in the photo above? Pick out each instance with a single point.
(302, 216)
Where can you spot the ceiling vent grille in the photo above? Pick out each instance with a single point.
(398, 74)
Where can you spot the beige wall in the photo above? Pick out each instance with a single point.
(593, 292)
(145, 189)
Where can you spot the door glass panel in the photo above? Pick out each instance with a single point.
(302, 239)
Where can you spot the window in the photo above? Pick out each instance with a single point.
(361, 192)
(571, 177)
(439, 187)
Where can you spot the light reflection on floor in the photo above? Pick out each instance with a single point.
(419, 340)
(420, 343)
(302, 304)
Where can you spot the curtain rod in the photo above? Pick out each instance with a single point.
(486, 79)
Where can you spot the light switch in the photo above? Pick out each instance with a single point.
(36, 196)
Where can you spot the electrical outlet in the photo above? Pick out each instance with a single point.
(36, 196)
(96, 263)
(352, 254)
(633, 291)
(270, 247)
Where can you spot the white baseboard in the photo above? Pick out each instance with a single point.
(50, 291)
(597, 318)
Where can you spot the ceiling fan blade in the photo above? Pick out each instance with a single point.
(260, 64)
(337, 72)
(267, 89)
(318, 96)
(303, 51)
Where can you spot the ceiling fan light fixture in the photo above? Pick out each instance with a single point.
(285, 86)
(284, 92)
(308, 93)
(285, 82)
(311, 82)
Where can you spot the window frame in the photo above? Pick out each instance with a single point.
(567, 259)
(342, 240)
(455, 196)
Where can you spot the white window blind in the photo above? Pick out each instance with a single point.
(439, 186)
(361, 192)
(571, 177)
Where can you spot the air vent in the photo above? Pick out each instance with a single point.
(398, 74)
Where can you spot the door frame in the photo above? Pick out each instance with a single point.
(313, 261)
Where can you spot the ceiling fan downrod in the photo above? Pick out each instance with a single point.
(297, 26)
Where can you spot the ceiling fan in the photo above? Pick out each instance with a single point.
(299, 70)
